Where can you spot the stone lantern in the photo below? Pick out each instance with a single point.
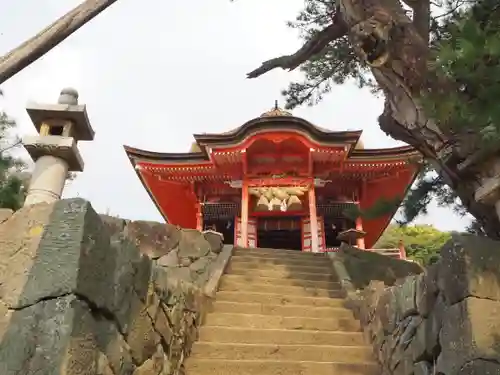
(54, 150)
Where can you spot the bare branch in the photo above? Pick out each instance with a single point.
(32, 49)
(10, 147)
(312, 47)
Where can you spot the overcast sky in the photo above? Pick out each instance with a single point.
(154, 72)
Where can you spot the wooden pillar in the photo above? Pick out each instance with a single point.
(360, 242)
(199, 217)
(402, 250)
(314, 219)
(244, 214)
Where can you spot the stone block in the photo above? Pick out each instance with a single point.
(162, 325)
(49, 337)
(387, 311)
(480, 367)
(61, 147)
(426, 290)
(193, 245)
(5, 214)
(405, 296)
(422, 368)
(113, 346)
(365, 266)
(470, 332)
(152, 238)
(153, 365)
(215, 239)
(469, 267)
(19, 242)
(429, 335)
(419, 342)
(142, 337)
(169, 260)
(114, 225)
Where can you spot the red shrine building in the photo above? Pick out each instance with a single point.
(277, 181)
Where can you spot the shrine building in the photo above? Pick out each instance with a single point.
(278, 181)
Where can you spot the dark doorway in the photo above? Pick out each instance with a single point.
(334, 226)
(279, 233)
(226, 227)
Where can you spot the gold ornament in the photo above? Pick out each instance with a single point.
(262, 204)
(294, 203)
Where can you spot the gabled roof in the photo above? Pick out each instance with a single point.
(276, 123)
(271, 121)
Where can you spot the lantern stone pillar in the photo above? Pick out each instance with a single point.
(54, 150)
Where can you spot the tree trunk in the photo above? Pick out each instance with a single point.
(34, 48)
(396, 48)
(384, 36)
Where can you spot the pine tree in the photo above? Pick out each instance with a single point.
(12, 192)
(438, 72)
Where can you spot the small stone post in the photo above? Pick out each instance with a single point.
(54, 151)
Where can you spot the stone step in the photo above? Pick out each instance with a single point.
(249, 267)
(279, 336)
(281, 310)
(279, 253)
(254, 367)
(278, 299)
(279, 273)
(326, 284)
(313, 353)
(228, 285)
(281, 322)
(322, 262)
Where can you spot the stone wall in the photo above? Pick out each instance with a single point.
(443, 321)
(77, 296)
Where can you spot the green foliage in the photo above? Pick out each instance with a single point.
(11, 186)
(428, 186)
(380, 208)
(422, 242)
(467, 57)
(465, 51)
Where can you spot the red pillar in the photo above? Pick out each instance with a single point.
(314, 219)
(199, 217)
(244, 214)
(402, 251)
(360, 242)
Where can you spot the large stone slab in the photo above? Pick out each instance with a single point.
(20, 237)
(470, 332)
(5, 213)
(364, 266)
(152, 238)
(193, 245)
(49, 338)
(71, 254)
(470, 266)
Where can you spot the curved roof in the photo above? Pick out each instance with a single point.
(278, 119)
(274, 120)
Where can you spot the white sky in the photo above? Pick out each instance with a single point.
(154, 72)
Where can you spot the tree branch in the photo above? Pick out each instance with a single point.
(312, 47)
(32, 49)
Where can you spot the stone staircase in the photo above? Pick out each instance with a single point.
(280, 312)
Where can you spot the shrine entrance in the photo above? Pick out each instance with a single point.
(279, 233)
